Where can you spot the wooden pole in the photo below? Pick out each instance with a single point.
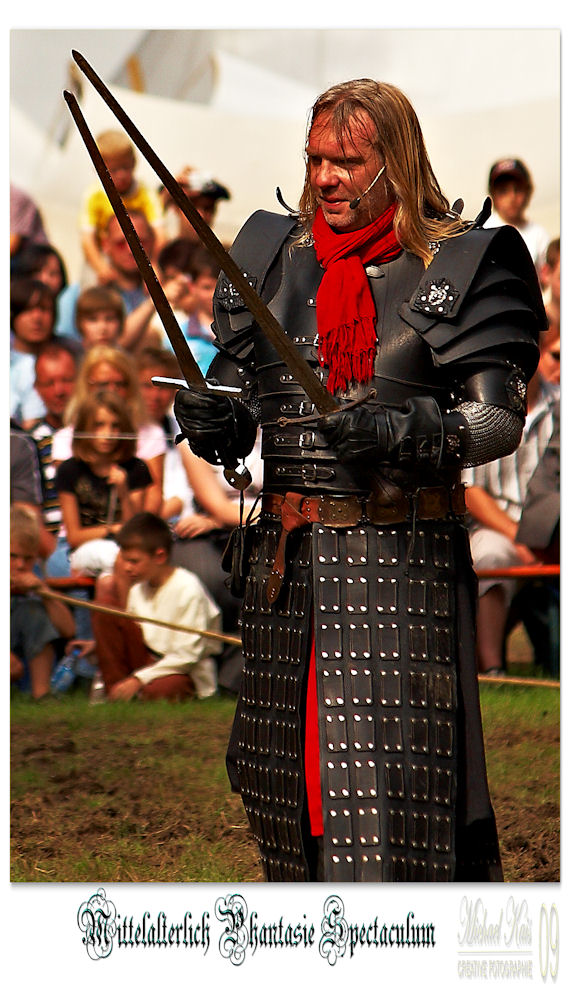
(234, 641)
(76, 602)
(528, 681)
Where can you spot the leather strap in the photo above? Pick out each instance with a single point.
(292, 516)
(297, 510)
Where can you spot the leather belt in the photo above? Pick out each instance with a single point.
(309, 472)
(297, 510)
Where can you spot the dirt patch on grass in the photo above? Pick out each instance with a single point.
(127, 807)
(530, 848)
(528, 810)
(130, 799)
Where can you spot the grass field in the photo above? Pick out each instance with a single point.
(138, 792)
(522, 737)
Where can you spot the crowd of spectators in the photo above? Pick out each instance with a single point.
(101, 492)
(92, 442)
(497, 493)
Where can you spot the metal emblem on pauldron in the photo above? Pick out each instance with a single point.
(437, 297)
(228, 296)
(516, 391)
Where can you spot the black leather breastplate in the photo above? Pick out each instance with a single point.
(295, 455)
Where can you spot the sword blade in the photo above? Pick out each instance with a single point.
(239, 479)
(304, 374)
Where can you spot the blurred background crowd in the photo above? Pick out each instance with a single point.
(92, 438)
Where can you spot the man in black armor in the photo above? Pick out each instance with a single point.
(357, 744)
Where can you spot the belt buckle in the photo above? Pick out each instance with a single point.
(340, 512)
(431, 503)
(379, 512)
(306, 439)
(309, 473)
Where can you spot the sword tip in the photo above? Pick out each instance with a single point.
(80, 60)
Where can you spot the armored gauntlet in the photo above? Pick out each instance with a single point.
(415, 434)
(218, 429)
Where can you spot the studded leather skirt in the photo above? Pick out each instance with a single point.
(379, 605)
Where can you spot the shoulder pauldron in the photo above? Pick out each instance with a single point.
(479, 297)
(255, 249)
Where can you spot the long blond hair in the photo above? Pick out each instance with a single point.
(104, 353)
(421, 208)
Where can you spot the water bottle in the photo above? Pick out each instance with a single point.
(64, 673)
(84, 668)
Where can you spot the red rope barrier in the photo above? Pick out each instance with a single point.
(69, 582)
(505, 572)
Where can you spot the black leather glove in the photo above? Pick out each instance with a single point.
(357, 433)
(414, 434)
(218, 428)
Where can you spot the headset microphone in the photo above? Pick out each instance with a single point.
(356, 201)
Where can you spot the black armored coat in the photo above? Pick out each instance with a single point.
(387, 603)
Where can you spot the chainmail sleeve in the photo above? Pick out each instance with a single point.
(492, 432)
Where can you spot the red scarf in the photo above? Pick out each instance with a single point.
(346, 313)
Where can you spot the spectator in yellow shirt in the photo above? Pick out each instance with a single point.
(119, 156)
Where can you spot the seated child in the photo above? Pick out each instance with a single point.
(108, 369)
(102, 485)
(204, 272)
(119, 156)
(150, 661)
(190, 274)
(100, 317)
(35, 621)
(158, 400)
(101, 320)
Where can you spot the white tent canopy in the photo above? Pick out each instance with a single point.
(236, 103)
(251, 156)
